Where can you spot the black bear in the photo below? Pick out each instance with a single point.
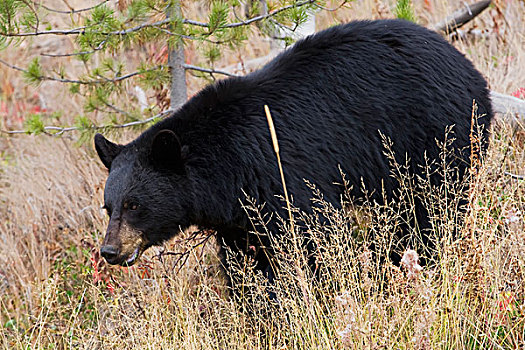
(331, 95)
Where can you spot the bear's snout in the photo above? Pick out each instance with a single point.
(110, 253)
(123, 244)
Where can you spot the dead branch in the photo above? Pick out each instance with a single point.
(514, 176)
(208, 70)
(461, 17)
(197, 239)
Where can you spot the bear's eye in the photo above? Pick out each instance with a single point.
(130, 205)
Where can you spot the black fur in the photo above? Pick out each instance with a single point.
(330, 95)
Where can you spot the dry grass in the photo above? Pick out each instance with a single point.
(55, 292)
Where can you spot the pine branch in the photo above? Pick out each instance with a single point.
(264, 16)
(57, 130)
(188, 37)
(27, 3)
(101, 45)
(139, 27)
(72, 10)
(73, 31)
(81, 30)
(104, 80)
(98, 48)
(120, 78)
(116, 109)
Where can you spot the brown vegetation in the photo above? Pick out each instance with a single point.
(56, 292)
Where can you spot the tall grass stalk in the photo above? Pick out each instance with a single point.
(276, 150)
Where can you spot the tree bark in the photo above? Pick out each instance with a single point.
(178, 91)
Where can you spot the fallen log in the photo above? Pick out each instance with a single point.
(462, 16)
(509, 107)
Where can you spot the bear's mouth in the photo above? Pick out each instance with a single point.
(124, 259)
(133, 258)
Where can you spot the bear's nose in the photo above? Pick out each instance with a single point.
(110, 253)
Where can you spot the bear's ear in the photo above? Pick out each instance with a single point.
(107, 150)
(166, 152)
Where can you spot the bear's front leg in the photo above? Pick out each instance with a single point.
(254, 248)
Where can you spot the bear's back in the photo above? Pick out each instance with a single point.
(332, 95)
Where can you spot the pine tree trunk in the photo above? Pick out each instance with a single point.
(178, 92)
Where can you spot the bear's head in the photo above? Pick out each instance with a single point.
(146, 194)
